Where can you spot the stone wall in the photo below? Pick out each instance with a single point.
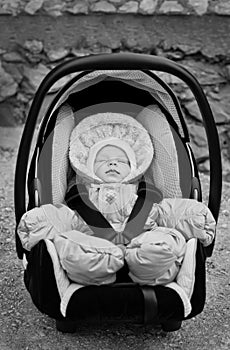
(145, 7)
(35, 35)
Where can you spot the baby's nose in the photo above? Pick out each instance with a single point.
(113, 162)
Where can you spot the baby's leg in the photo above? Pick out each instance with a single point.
(88, 260)
(154, 257)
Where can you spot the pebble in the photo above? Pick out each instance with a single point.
(8, 209)
(224, 226)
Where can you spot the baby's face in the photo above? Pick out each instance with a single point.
(111, 164)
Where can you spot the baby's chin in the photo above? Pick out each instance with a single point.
(112, 177)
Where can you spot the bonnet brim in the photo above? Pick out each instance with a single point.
(103, 128)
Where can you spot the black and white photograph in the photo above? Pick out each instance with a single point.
(114, 174)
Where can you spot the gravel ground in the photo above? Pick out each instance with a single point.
(23, 327)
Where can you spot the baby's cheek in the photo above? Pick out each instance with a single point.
(127, 168)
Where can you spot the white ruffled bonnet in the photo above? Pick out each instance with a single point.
(98, 130)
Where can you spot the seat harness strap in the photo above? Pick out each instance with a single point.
(147, 196)
(150, 305)
(77, 199)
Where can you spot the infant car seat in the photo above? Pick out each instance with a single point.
(127, 83)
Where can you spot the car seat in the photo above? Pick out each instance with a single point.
(117, 82)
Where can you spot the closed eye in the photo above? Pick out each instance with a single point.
(119, 160)
(100, 161)
(123, 161)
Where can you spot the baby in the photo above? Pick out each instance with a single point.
(109, 153)
(111, 164)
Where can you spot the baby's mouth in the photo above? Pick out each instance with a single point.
(112, 171)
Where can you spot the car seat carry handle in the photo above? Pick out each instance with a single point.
(147, 196)
(117, 61)
(77, 199)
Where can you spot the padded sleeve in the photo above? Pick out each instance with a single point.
(193, 219)
(44, 223)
